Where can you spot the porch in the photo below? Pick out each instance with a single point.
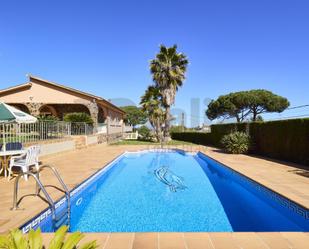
(40, 97)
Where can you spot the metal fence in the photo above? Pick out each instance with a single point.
(44, 130)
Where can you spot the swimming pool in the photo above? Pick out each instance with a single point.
(171, 191)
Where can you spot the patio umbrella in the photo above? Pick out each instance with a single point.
(11, 114)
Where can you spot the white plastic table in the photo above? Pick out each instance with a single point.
(5, 157)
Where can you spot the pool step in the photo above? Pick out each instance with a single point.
(62, 218)
(59, 215)
(62, 221)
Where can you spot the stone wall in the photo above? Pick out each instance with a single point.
(94, 111)
(82, 142)
(114, 137)
(34, 108)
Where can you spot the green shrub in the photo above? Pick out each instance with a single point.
(17, 240)
(144, 132)
(78, 117)
(47, 118)
(220, 130)
(236, 142)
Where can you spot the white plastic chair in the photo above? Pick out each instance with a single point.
(25, 161)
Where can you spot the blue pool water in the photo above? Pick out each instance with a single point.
(172, 191)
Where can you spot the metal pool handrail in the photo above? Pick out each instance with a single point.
(40, 186)
(64, 186)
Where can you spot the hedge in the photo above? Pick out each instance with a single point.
(284, 140)
(193, 137)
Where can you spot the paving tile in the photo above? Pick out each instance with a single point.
(248, 241)
(171, 241)
(145, 241)
(297, 240)
(223, 241)
(274, 240)
(100, 238)
(119, 241)
(198, 241)
(3, 221)
(46, 238)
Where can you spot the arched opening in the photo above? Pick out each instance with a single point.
(101, 115)
(63, 109)
(21, 107)
(48, 110)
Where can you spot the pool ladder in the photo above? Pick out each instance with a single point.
(58, 219)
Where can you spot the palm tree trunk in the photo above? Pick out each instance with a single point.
(158, 131)
(155, 123)
(167, 136)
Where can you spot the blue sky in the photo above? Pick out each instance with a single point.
(104, 47)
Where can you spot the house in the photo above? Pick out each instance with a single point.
(42, 97)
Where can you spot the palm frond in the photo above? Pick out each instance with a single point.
(58, 238)
(35, 239)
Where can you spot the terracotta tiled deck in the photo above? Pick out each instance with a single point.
(76, 166)
(197, 240)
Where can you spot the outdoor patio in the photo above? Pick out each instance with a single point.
(75, 166)
(197, 240)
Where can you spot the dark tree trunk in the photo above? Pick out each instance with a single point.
(254, 112)
(238, 119)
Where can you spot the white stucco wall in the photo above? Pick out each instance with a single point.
(52, 148)
(91, 140)
(38, 93)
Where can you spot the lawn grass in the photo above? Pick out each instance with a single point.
(140, 142)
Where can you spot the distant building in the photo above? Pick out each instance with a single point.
(204, 128)
(42, 97)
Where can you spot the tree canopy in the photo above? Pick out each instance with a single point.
(151, 103)
(134, 115)
(244, 104)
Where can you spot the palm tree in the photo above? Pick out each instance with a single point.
(168, 70)
(152, 105)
